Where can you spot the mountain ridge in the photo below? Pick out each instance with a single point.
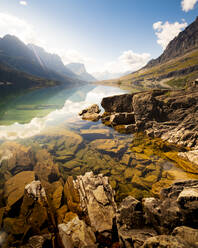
(173, 68)
(35, 61)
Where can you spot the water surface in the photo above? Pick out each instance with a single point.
(46, 121)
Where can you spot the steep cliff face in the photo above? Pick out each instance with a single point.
(186, 41)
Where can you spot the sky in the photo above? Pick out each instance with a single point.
(105, 35)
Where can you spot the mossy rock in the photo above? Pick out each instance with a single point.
(128, 173)
(69, 216)
(140, 167)
(60, 214)
(71, 164)
(137, 182)
(158, 186)
(57, 197)
(108, 145)
(182, 163)
(16, 226)
(115, 172)
(72, 196)
(126, 159)
(113, 183)
(142, 156)
(139, 193)
(14, 187)
(137, 149)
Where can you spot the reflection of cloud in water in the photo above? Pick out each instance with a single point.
(36, 125)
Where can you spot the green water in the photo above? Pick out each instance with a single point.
(47, 121)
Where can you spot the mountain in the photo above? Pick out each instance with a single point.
(79, 69)
(14, 82)
(35, 62)
(51, 61)
(177, 64)
(185, 42)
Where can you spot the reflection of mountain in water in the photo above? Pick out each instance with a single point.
(23, 107)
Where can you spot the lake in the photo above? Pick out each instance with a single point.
(41, 129)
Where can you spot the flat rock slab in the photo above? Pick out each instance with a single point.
(14, 187)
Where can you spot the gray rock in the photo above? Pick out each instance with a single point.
(97, 199)
(177, 206)
(171, 115)
(130, 213)
(35, 190)
(76, 234)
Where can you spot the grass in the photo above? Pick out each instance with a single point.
(149, 77)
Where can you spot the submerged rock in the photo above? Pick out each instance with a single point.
(14, 187)
(91, 113)
(35, 190)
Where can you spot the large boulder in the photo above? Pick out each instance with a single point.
(131, 225)
(177, 206)
(170, 115)
(97, 199)
(119, 104)
(30, 216)
(130, 213)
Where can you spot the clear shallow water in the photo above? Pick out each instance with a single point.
(35, 111)
(46, 122)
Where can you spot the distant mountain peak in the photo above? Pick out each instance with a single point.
(77, 68)
(80, 70)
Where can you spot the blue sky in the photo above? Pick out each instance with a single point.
(114, 35)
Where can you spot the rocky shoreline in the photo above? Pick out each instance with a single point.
(83, 213)
(171, 115)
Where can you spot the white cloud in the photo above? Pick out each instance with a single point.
(23, 3)
(127, 61)
(70, 109)
(72, 56)
(13, 25)
(167, 31)
(188, 4)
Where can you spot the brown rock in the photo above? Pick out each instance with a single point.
(14, 187)
(72, 196)
(45, 168)
(57, 197)
(188, 234)
(119, 104)
(91, 113)
(76, 234)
